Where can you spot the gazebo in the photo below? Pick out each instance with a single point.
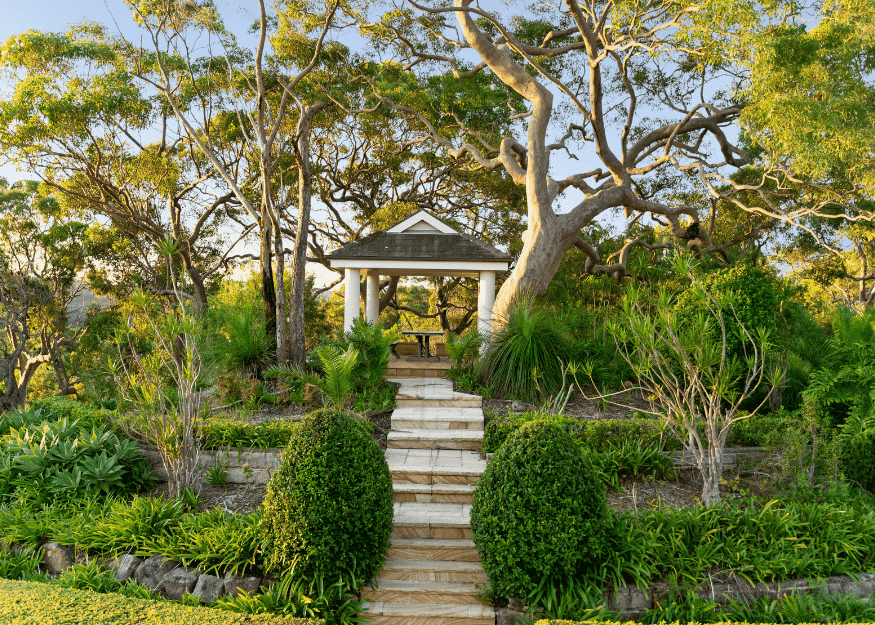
(421, 245)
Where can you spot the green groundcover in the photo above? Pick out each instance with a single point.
(546, 622)
(32, 603)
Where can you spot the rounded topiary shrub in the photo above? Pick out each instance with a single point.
(328, 508)
(539, 509)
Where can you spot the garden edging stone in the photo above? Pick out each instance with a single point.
(151, 572)
(236, 585)
(208, 588)
(178, 582)
(126, 566)
(57, 558)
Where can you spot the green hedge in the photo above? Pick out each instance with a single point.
(32, 602)
(54, 408)
(602, 434)
(222, 433)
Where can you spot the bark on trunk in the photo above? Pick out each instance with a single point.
(268, 294)
(282, 347)
(544, 247)
(711, 468)
(200, 299)
(297, 328)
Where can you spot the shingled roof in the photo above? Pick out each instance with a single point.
(414, 244)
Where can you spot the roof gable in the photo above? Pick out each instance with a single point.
(422, 221)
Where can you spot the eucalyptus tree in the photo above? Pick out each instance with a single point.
(40, 257)
(637, 93)
(77, 117)
(837, 255)
(275, 92)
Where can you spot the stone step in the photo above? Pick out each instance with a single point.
(418, 363)
(437, 418)
(433, 493)
(426, 474)
(416, 438)
(469, 401)
(405, 569)
(400, 591)
(404, 613)
(431, 520)
(452, 550)
(400, 373)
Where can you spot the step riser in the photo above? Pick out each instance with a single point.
(408, 596)
(438, 554)
(426, 531)
(403, 424)
(459, 577)
(432, 498)
(403, 402)
(429, 620)
(414, 373)
(406, 477)
(416, 443)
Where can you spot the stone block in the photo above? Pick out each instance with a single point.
(798, 587)
(509, 617)
(125, 566)
(867, 583)
(235, 585)
(858, 589)
(57, 558)
(631, 598)
(178, 582)
(151, 572)
(209, 588)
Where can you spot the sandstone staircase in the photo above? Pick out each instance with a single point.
(432, 567)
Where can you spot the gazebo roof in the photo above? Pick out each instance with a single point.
(422, 244)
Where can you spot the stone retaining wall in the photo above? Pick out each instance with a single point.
(731, 457)
(633, 602)
(159, 573)
(263, 462)
(249, 466)
(173, 580)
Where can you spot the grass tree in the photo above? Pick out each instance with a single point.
(684, 367)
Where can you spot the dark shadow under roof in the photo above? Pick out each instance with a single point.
(420, 246)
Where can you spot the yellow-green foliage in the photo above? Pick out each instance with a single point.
(25, 603)
(546, 622)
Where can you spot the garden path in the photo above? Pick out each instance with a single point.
(432, 567)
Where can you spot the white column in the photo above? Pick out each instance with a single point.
(351, 300)
(372, 294)
(485, 300)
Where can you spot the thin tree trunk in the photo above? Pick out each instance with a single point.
(297, 334)
(282, 347)
(268, 295)
(201, 302)
(711, 467)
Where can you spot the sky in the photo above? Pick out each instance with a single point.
(17, 16)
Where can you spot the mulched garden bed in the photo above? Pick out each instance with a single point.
(577, 407)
